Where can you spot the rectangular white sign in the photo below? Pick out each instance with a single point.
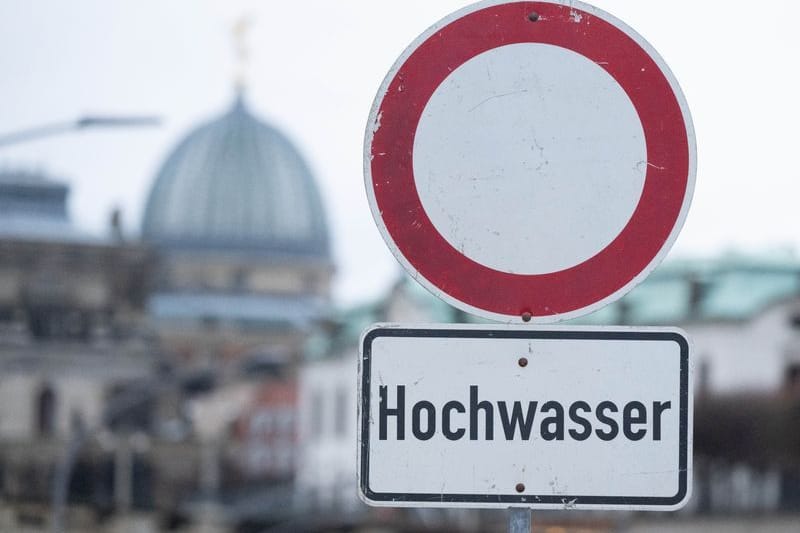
(543, 417)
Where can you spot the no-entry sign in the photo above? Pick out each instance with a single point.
(529, 159)
(509, 416)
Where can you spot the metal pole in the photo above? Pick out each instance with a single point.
(35, 133)
(63, 472)
(79, 435)
(93, 121)
(519, 520)
(123, 475)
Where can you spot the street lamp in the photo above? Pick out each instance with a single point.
(89, 121)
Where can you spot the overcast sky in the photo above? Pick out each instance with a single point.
(314, 69)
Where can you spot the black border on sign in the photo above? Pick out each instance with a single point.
(528, 500)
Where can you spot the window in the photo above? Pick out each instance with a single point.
(46, 411)
(341, 419)
(315, 418)
(240, 279)
(261, 422)
(793, 376)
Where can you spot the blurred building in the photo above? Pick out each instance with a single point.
(242, 278)
(743, 316)
(72, 322)
(244, 253)
(158, 377)
(57, 282)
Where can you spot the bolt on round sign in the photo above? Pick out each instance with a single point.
(530, 159)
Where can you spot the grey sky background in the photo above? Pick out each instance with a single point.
(313, 71)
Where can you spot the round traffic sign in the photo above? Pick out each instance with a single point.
(529, 160)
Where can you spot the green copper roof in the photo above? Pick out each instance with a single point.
(730, 287)
(727, 288)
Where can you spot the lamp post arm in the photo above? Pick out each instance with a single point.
(89, 121)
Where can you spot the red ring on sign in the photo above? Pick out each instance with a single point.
(584, 284)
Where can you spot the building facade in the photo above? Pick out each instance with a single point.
(742, 316)
(243, 245)
(155, 379)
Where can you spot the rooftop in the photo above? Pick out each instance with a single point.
(237, 183)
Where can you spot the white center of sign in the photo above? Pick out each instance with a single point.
(515, 151)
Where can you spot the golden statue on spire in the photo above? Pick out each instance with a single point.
(239, 33)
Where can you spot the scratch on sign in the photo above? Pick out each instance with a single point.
(476, 106)
(377, 124)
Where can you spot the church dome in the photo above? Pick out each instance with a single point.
(237, 184)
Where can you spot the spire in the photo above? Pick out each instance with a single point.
(239, 35)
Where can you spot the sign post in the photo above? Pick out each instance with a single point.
(519, 520)
(527, 162)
